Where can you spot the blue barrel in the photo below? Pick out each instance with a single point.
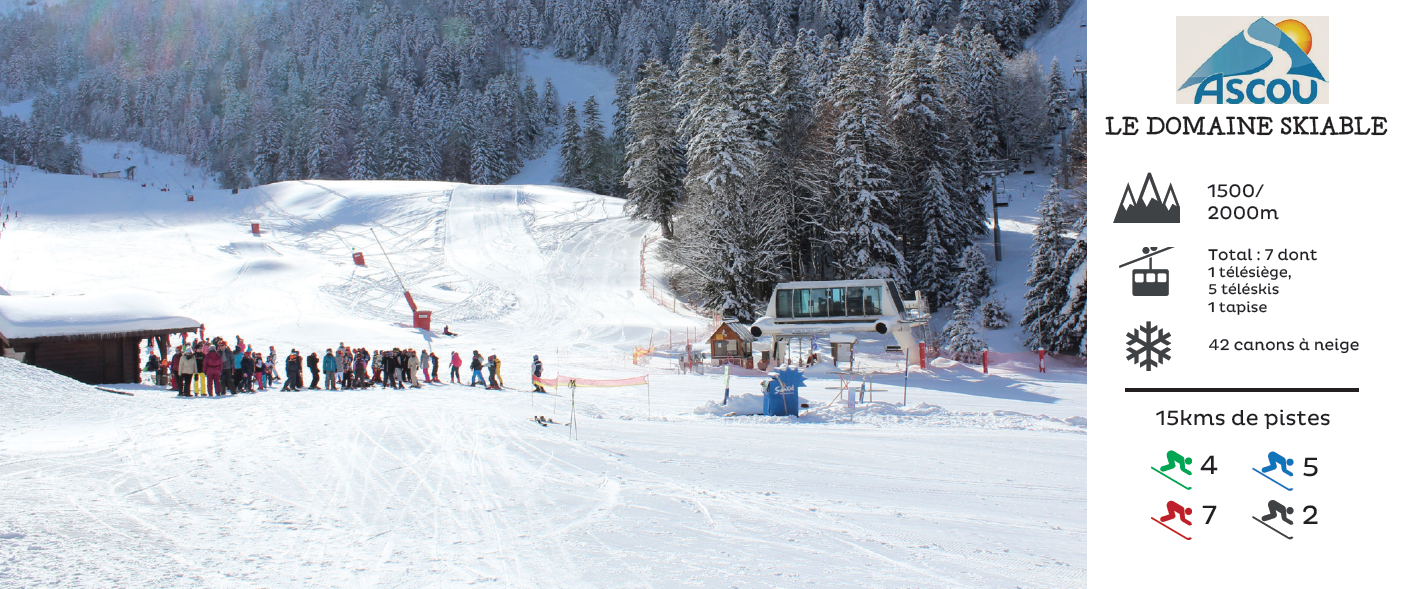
(783, 393)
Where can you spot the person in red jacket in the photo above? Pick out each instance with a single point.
(211, 365)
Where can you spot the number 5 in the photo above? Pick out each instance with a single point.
(1311, 464)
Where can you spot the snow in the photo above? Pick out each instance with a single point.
(973, 480)
(29, 395)
(21, 109)
(574, 82)
(122, 311)
(1065, 42)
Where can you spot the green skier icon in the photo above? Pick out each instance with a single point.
(1175, 460)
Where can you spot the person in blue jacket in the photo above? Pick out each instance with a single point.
(330, 367)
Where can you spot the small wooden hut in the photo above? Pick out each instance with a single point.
(95, 339)
(731, 342)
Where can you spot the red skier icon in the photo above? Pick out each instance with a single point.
(1175, 511)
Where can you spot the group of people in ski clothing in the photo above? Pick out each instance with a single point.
(491, 364)
(216, 368)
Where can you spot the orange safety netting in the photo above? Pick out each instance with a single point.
(590, 382)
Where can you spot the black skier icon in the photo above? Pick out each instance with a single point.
(1149, 282)
(1274, 510)
(1275, 461)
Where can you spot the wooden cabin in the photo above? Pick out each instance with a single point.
(731, 342)
(96, 339)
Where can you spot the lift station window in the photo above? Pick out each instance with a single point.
(851, 301)
(783, 303)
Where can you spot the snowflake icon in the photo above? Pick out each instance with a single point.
(1153, 346)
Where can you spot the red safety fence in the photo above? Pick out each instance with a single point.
(1037, 360)
(590, 382)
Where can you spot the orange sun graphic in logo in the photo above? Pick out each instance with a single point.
(1298, 33)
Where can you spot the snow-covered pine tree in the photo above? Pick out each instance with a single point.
(551, 106)
(753, 97)
(1023, 106)
(1058, 94)
(1072, 324)
(1049, 283)
(993, 314)
(654, 156)
(790, 94)
(571, 174)
(962, 334)
(694, 73)
(919, 119)
(981, 74)
(974, 283)
(534, 118)
(864, 189)
(594, 165)
(962, 174)
(729, 238)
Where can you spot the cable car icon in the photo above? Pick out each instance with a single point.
(1151, 281)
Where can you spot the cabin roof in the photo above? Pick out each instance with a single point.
(742, 330)
(112, 314)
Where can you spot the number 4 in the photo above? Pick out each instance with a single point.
(1213, 469)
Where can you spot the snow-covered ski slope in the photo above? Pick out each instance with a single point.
(978, 481)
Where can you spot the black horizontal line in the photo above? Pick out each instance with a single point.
(1240, 390)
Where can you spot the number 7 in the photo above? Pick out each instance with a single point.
(1212, 509)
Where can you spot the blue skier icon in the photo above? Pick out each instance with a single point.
(1275, 461)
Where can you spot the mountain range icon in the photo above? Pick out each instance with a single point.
(1148, 207)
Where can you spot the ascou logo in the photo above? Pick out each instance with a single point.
(1263, 63)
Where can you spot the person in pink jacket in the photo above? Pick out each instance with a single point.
(456, 369)
(212, 367)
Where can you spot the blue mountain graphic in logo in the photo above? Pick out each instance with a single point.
(1238, 57)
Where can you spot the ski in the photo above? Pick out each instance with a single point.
(1170, 529)
(1272, 480)
(1269, 526)
(1171, 478)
